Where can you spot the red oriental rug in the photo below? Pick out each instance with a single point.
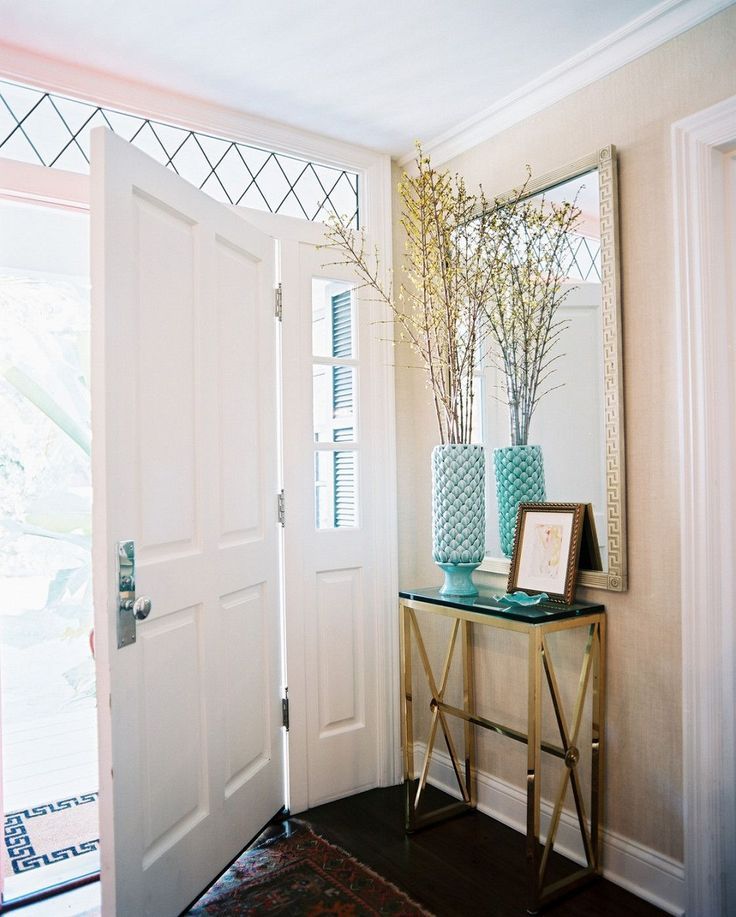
(300, 873)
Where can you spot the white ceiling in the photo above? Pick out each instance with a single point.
(381, 73)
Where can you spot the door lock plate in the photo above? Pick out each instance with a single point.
(126, 593)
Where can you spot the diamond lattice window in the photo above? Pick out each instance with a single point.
(582, 259)
(51, 130)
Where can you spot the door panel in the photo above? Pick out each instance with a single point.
(172, 716)
(341, 647)
(334, 524)
(244, 622)
(185, 463)
(239, 397)
(163, 311)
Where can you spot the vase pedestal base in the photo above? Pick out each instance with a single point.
(458, 579)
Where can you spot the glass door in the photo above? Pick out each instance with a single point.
(47, 671)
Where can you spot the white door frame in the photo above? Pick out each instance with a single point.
(31, 184)
(707, 402)
(68, 189)
(56, 187)
(375, 189)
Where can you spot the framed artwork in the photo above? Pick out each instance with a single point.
(546, 549)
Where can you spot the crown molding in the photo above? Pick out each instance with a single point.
(55, 75)
(663, 22)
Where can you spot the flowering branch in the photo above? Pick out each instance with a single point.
(440, 305)
(475, 271)
(529, 286)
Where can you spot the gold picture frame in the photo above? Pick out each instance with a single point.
(547, 549)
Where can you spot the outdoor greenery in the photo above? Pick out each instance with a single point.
(480, 279)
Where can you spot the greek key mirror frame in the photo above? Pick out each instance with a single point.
(604, 161)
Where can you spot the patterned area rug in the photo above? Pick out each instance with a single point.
(300, 873)
(50, 833)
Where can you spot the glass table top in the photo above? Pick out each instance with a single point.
(487, 602)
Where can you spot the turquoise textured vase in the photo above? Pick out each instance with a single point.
(519, 479)
(458, 514)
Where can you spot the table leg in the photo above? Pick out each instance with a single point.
(597, 740)
(534, 762)
(407, 720)
(469, 707)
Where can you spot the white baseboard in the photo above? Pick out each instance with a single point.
(644, 872)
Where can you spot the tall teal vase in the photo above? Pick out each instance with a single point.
(458, 514)
(519, 479)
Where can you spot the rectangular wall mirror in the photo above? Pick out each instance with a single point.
(580, 424)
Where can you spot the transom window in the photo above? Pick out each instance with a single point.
(53, 130)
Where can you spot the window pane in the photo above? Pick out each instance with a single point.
(333, 390)
(336, 489)
(333, 321)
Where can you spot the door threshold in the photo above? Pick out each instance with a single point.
(80, 896)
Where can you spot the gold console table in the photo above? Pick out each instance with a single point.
(536, 622)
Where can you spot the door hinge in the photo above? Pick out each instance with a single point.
(278, 302)
(282, 509)
(285, 710)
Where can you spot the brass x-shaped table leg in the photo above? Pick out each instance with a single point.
(463, 773)
(571, 758)
(572, 753)
(541, 670)
(438, 695)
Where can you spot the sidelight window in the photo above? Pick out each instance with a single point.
(334, 399)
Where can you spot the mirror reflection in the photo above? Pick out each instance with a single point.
(569, 420)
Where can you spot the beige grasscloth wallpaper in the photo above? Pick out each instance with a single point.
(634, 109)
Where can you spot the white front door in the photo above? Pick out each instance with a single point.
(185, 465)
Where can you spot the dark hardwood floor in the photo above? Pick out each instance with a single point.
(471, 865)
